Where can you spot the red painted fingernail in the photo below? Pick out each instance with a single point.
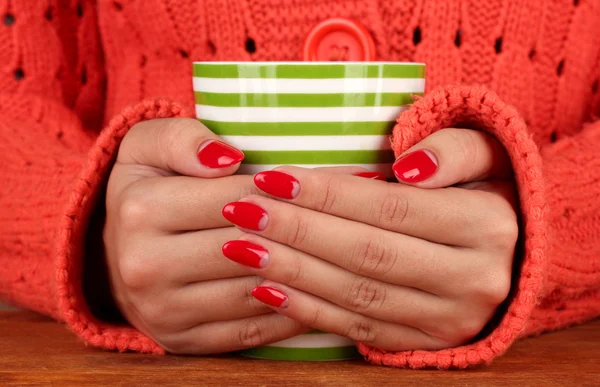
(270, 296)
(415, 167)
(217, 154)
(371, 175)
(246, 253)
(246, 215)
(278, 184)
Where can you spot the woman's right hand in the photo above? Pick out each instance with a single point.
(163, 236)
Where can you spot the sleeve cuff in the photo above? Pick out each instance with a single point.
(478, 108)
(75, 220)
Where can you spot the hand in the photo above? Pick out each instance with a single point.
(394, 266)
(163, 236)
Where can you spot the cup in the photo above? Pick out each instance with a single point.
(307, 114)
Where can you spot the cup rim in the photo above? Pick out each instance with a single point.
(295, 63)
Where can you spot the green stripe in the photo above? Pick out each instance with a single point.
(308, 71)
(298, 128)
(319, 157)
(280, 353)
(303, 100)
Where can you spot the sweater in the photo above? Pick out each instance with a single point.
(75, 75)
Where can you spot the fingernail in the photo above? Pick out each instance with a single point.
(371, 175)
(246, 215)
(416, 166)
(270, 296)
(217, 154)
(246, 253)
(278, 184)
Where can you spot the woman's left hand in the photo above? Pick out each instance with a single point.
(396, 266)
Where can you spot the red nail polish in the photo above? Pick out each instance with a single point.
(246, 215)
(217, 154)
(278, 184)
(415, 167)
(371, 175)
(246, 253)
(270, 296)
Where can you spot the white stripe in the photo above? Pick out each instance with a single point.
(308, 114)
(251, 169)
(314, 340)
(309, 86)
(319, 143)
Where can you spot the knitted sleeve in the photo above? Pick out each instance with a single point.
(54, 163)
(556, 279)
(50, 186)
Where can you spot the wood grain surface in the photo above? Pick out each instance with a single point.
(36, 351)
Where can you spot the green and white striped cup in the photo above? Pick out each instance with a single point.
(308, 114)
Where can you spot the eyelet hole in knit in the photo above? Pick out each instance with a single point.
(83, 76)
(560, 68)
(498, 45)
(19, 74)
(575, 3)
(184, 53)
(417, 36)
(8, 19)
(118, 6)
(48, 15)
(211, 47)
(79, 10)
(143, 61)
(458, 38)
(250, 46)
(532, 54)
(595, 86)
(59, 135)
(553, 137)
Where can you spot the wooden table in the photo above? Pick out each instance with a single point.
(36, 351)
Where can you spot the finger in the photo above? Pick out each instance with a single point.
(362, 249)
(369, 297)
(319, 314)
(233, 335)
(180, 145)
(181, 203)
(450, 216)
(201, 302)
(190, 257)
(452, 156)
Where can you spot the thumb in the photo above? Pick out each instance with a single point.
(453, 156)
(180, 145)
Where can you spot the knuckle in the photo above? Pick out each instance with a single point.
(298, 232)
(361, 330)
(491, 287)
(136, 272)
(392, 211)
(466, 144)
(134, 211)
(366, 295)
(250, 334)
(174, 344)
(294, 271)
(461, 330)
(373, 257)
(154, 314)
(327, 198)
(505, 233)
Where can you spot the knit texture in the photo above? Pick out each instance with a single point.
(71, 67)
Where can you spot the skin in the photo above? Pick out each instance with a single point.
(163, 236)
(415, 267)
(419, 267)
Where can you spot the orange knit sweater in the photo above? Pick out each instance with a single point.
(71, 67)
